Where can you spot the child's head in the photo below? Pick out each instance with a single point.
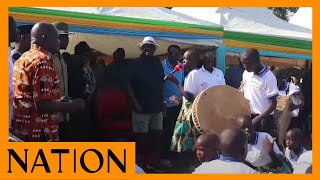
(294, 138)
(207, 147)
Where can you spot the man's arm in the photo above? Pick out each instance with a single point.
(267, 112)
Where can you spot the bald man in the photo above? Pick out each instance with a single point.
(259, 86)
(233, 144)
(37, 99)
(12, 38)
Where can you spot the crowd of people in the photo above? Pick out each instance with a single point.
(56, 96)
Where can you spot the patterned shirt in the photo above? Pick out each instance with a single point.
(35, 79)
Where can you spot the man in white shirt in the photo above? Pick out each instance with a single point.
(263, 152)
(13, 34)
(205, 77)
(234, 149)
(259, 86)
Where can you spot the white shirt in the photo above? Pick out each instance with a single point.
(10, 88)
(293, 160)
(258, 89)
(303, 163)
(139, 170)
(201, 79)
(224, 167)
(257, 155)
(291, 90)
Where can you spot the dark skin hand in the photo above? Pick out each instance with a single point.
(270, 109)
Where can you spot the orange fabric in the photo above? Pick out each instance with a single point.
(35, 79)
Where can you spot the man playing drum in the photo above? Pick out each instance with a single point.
(259, 86)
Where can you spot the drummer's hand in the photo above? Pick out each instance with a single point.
(267, 145)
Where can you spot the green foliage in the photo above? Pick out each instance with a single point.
(283, 12)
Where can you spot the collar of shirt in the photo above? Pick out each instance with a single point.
(264, 70)
(298, 155)
(204, 70)
(38, 48)
(229, 159)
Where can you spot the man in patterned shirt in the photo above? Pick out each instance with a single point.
(37, 99)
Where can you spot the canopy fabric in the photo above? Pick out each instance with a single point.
(255, 27)
(303, 17)
(106, 29)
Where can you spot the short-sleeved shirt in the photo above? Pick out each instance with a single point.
(147, 83)
(259, 89)
(224, 165)
(35, 79)
(293, 160)
(257, 155)
(303, 163)
(202, 79)
(170, 88)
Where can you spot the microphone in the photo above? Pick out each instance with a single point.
(177, 68)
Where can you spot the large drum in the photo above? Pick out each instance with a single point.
(217, 108)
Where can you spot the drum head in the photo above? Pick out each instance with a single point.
(217, 108)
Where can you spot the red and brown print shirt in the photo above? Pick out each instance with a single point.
(35, 79)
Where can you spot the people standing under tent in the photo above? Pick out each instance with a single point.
(234, 75)
(205, 77)
(170, 91)
(233, 144)
(259, 86)
(37, 99)
(263, 151)
(12, 38)
(146, 91)
(62, 70)
(22, 44)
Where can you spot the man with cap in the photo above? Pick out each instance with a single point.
(146, 86)
(22, 44)
(61, 66)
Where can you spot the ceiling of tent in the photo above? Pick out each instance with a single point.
(255, 27)
(251, 20)
(303, 17)
(128, 26)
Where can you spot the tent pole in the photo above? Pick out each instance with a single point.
(221, 58)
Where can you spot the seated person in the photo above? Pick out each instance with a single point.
(263, 152)
(233, 144)
(294, 147)
(207, 147)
